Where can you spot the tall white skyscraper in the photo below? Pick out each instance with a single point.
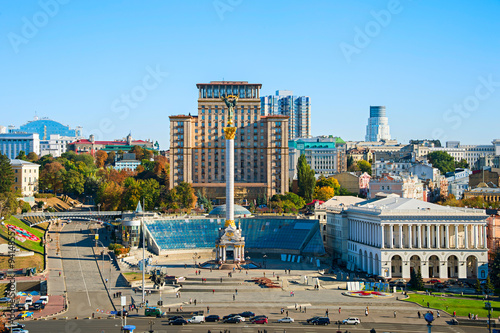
(297, 108)
(378, 125)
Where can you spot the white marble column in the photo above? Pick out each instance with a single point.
(428, 236)
(438, 240)
(401, 236)
(391, 226)
(485, 236)
(447, 235)
(410, 236)
(466, 235)
(476, 234)
(456, 237)
(419, 228)
(230, 180)
(382, 236)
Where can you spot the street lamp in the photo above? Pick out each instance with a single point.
(488, 306)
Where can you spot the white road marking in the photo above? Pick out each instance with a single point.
(81, 270)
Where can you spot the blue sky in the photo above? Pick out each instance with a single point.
(433, 65)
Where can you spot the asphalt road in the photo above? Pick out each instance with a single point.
(161, 326)
(86, 290)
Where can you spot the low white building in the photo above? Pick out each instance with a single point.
(56, 145)
(390, 237)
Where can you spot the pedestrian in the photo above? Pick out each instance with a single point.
(208, 309)
(287, 313)
(278, 277)
(428, 304)
(59, 273)
(418, 314)
(195, 301)
(305, 309)
(273, 274)
(236, 291)
(454, 314)
(282, 310)
(394, 314)
(247, 272)
(220, 280)
(300, 308)
(438, 314)
(234, 297)
(469, 315)
(366, 312)
(326, 313)
(340, 309)
(213, 291)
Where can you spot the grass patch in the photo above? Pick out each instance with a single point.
(133, 276)
(463, 306)
(28, 245)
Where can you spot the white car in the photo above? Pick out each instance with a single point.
(240, 317)
(286, 320)
(351, 321)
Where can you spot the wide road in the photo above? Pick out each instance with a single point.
(85, 286)
(161, 326)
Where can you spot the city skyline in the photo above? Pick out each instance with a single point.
(79, 60)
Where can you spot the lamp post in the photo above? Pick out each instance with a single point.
(488, 306)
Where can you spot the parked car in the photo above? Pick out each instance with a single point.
(351, 321)
(432, 281)
(24, 314)
(321, 321)
(38, 305)
(286, 320)
(230, 316)
(15, 325)
(28, 300)
(19, 330)
(22, 306)
(262, 320)
(44, 299)
(172, 318)
(212, 318)
(247, 314)
(258, 317)
(178, 321)
(4, 299)
(233, 320)
(311, 319)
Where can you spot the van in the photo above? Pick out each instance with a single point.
(29, 300)
(44, 299)
(197, 320)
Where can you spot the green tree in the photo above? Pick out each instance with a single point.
(109, 195)
(187, 198)
(365, 166)
(297, 201)
(6, 174)
(442, 160)
(9, 203)
(138, 151)
(148, 165)
(323, 193)
(488, 287)
(463, 164)
(306, 179)
(329, 182)
(478, 287)
(51, 177)
(495, 269)
(416, 281)
(22, 156)
(111, 158)
(350, 161)
(132, 193)
(150, 192)
(73, 182)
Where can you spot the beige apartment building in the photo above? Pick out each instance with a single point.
(197, 144)
(25, 177)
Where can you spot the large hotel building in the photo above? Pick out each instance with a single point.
(261, 144)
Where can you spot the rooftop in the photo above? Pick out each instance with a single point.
(16, 162)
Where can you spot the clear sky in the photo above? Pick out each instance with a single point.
(433, 64)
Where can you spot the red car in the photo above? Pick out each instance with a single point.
(260, 321)
(434, 281)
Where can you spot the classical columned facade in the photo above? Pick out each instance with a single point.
(439, 241)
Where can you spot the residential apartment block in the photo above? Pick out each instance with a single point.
(297, 108)
(197, 144)
(378, 125)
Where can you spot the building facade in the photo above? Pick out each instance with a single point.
(91, 146)
(13, 143)
(46, 127)
(26, 176)
(297, 108)
(405, 186)
(326, 155)
(378, 125)
(197, 144)
(391, 237)
(56, 145)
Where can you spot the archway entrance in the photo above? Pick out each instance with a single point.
(360, 260)
(471, 267)
(433, 267)
(365, 264)
(415, 263)
(370, 263)
(376, 265)
(452, 266)
(396, 266)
